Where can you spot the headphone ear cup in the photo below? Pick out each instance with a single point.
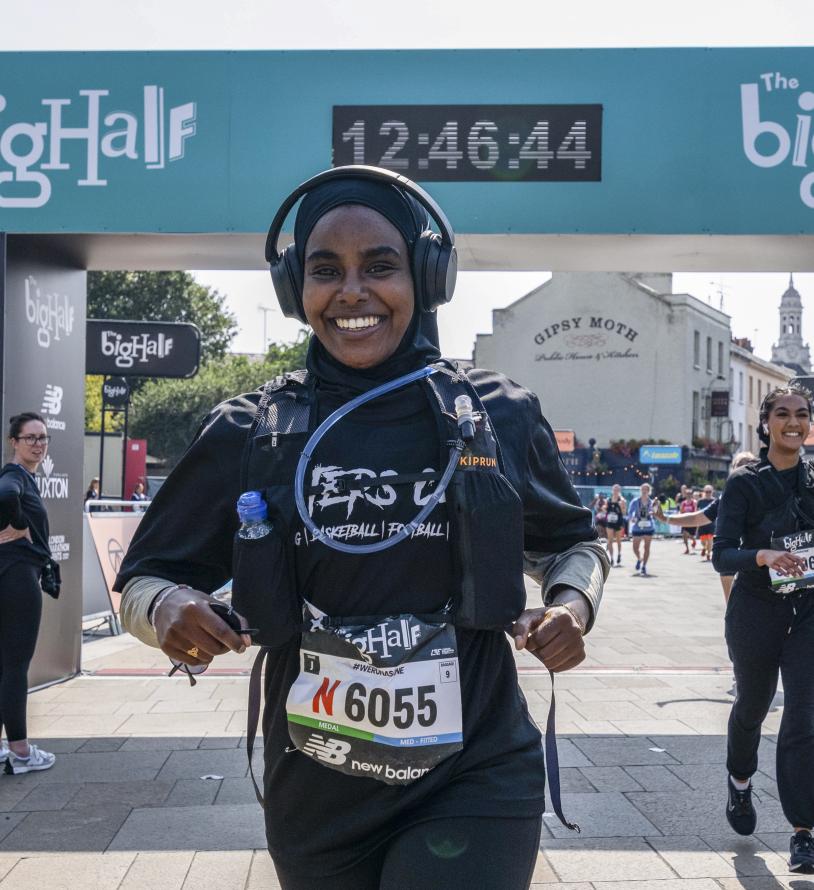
(435, 268)
(286, 276)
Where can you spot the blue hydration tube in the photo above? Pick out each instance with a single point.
(322, 429)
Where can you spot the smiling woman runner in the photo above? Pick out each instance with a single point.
(399, 752)
(765, 533)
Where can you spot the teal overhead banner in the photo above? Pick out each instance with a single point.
(656, 141)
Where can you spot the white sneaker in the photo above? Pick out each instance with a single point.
(3, 752)
(37, 759)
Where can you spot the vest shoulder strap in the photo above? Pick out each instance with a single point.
(451, 381)
(284, 407)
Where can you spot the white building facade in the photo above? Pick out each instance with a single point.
(752, 378)
(615, 356)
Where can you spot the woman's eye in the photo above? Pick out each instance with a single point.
(323, 272)
(380, 268)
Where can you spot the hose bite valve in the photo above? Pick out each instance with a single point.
(465, 418)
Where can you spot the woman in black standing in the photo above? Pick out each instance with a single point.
(23, 553)
(764, 533)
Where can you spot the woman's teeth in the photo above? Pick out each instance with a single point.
(355, 324)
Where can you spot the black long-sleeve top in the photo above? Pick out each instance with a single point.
(21, 507)
(741, 529)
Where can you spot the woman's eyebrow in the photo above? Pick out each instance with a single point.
(321, 255)
(379, 251)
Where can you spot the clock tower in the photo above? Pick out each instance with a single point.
(790, 349)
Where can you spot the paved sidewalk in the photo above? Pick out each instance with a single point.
(150, 788)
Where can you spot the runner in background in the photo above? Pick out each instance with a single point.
(642, 516)
(615, 523)
(686, 504)
(599, 506)
(699, 518)
(706, 532)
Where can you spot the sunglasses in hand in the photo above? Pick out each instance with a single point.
(228, 614)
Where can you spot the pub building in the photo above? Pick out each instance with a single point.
(620, 356)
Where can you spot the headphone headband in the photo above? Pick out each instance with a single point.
(358, 171)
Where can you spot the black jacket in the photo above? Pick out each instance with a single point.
(760, 503)
(21, 507)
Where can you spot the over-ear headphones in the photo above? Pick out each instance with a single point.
(435, 260)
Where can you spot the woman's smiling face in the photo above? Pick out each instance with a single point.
(358, 293)
(789, 422)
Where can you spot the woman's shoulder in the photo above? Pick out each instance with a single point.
(499, 392)
(231, 418)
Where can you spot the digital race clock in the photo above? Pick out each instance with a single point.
(473, 142)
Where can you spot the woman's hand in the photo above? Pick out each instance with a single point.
(185, 622)
(551, 634)
(9, 534)
(783, 562)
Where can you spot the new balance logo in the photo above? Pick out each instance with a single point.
(52, 406)
(52, 401)
(328, 751)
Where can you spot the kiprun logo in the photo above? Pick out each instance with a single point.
(768, 143)
(52, 314)
(52, 406)
(51, 484)
(30, 150)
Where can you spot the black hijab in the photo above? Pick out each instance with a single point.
(419, 345)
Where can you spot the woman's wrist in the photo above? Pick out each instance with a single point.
(153, 610)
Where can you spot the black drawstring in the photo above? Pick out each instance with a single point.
(552, 764)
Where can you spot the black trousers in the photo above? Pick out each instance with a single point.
(20, 612)
(766, 637)
(459, 853)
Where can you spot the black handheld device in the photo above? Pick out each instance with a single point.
(228, 614)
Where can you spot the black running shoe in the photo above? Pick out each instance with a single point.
(740, 813)
(801, 850)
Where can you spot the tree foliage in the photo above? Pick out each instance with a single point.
(163, 296)
(168, 412)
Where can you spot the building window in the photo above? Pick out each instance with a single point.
(720, 359)
(709, 355)
(740, 435)
(740, 390)
(696, 349)
(751, 395)
(759, 391)
(732, 384)
(696, 401)
(751, 444)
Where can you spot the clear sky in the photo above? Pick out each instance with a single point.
(750, 299)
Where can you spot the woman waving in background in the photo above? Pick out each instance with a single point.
(394, 502)
(765, 534)
(24, 553)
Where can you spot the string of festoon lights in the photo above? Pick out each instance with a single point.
(614, 472)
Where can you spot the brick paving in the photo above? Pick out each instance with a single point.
(150, 788)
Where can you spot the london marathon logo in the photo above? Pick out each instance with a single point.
(31, 150)
(775, 131)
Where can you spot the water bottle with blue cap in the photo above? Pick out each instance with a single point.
(252, 511)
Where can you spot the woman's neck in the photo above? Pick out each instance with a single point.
(782, 459)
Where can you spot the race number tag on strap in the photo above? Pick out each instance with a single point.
(612, 518)
(800, 544)
(644, 525)
(377, 698)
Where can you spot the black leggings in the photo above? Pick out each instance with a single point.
(20, 611)
(455, 853)
(764, 637)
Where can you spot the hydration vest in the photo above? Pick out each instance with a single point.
(485, 511)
